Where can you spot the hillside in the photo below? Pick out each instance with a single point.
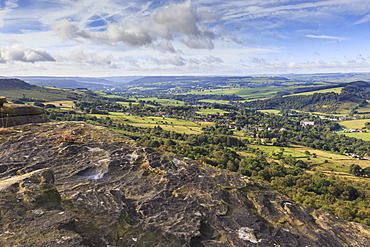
(70, 82)
(14, 84)
(73, 184)
(15, 89)
(355, 92)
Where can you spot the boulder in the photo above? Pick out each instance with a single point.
(18, 114)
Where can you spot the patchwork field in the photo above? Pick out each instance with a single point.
(330, 162)
(170, 124)
(354, 124)
(211, 111)
(335, 90)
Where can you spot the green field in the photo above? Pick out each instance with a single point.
(214, 101)
(211, 111)
(277, 112)
(362, 136)
(354, 124)
(326, 161)
(247, 93)
(170, 124)
(62, 103)
(363, 110)
(164, 101)
(335, 90)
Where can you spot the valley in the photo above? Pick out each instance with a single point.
(252, 126)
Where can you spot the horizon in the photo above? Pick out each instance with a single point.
(91, 38)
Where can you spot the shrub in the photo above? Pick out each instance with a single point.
(67, 138)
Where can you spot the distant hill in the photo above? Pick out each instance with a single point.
(15, 89)
(14, 84)
(92, 83)
(190, 80)
(357, 92)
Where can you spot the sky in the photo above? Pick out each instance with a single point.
(177, 37)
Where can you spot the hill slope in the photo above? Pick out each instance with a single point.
(73, 184)
(14, 84)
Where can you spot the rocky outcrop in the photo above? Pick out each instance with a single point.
(91, 187)
(17, 114)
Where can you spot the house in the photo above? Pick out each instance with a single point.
(306, 123)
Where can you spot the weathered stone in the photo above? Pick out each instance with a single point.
(108, 197)
(17, 114)
(2, 100)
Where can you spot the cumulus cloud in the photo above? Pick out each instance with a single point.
(68, 30)
(166, 23)
(213, 59)
(165, 47)
(22, 53)
(176, 60)
(81, 56)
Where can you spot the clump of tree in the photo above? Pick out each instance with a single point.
(359, 171)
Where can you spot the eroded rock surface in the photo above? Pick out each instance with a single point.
(18, 114)
(100, 189)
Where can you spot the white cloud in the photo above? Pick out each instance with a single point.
(364, 19)
(176, 60)
(80, 56)
(182, 36)
(68, 30)
(9, 5)
(335, 38)
(167, 23)
(165, 46)
(22, 53)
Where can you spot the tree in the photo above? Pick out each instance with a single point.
(366, 172)
(231, 166)
(355, 170)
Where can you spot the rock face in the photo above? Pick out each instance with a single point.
(73, 184)
(17, 114)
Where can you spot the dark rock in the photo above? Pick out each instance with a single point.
(14, 114)
(2, 100)
(104, 190)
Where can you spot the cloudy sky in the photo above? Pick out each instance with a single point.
(176, 37)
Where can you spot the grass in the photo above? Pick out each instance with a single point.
(346, 107)
(363, 110)
(335, 90)
(247, 93)
(225, 102)
(277, 112)
(127, 104)
(164, 101)
(211, 111)
(169, 124)
(354, 124)
(63, 103)
(330, 163)
(362, 136)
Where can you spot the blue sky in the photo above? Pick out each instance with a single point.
(198, 37)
